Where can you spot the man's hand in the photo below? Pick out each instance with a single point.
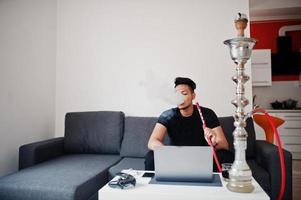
(210, 135)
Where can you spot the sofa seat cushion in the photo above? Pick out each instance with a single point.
(126, 163)
(93, 132)
(68, 177)
(260, 175)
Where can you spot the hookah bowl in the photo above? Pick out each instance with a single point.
(240, 175)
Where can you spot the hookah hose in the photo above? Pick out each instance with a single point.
(280, 150)
(209, 139)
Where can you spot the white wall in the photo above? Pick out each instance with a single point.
(280, 90)
(27, 76)
(123, 55)
(109, 55)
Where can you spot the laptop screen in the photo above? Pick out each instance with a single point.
(183, 163)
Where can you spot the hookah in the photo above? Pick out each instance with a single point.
(240, 50)
(240, 175)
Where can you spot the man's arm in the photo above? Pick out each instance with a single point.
(218, 138)
(157, 136)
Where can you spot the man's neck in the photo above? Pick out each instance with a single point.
(187, 111)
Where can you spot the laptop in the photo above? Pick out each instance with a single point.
(183, 163)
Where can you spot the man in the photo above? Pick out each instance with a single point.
(184, 126)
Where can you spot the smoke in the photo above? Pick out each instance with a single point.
(158, 87)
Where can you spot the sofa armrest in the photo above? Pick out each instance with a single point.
(37, 152)
(267, 157)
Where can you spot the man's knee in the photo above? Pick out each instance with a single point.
(225, 156)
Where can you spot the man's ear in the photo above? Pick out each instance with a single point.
(193, 96)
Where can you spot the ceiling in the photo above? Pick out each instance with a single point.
(274, 9)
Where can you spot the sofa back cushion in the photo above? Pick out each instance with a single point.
(137, 131)
(228, 127)
(93, 132)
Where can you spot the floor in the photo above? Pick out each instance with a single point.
(296, 179)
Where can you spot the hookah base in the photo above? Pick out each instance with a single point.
(245, 187)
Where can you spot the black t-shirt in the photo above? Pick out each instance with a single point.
(188, 131)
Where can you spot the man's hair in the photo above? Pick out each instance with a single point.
(186, 81)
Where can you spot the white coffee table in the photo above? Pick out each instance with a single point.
(146, 191)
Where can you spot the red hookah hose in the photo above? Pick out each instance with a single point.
(208, 140)
(280, 150)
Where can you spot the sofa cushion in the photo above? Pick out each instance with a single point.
(67, 177)
(93, 132)
(137, 131)
(126, 163)
(228, 127)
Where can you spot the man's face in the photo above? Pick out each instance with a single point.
(188, 96)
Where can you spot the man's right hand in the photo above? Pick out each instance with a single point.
(210, 135)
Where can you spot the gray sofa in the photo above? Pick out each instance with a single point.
(97, 145)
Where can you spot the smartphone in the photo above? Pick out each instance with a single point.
(148, 174)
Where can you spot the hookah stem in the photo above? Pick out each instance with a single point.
(280, 150)
(208, 140)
